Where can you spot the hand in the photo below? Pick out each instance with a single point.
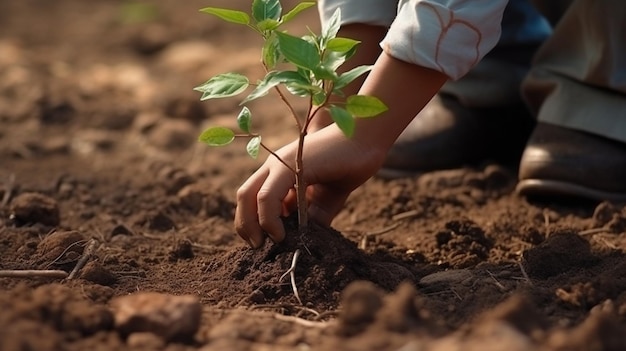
(334, 166)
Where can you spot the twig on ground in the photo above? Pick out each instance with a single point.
(8, 190)
(91, 247)
(367, 236)
(46, 273)
(291, 319)
(594, 231)
(292, 274)
(456, 294)
(498, 284)
(601, 239)
(286, 306)
(526, 277)
(405, 215)
(300, 321)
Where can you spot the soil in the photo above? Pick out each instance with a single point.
(98, 162)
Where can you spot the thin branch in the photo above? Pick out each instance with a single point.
(526, 277)
(277, 157)
(286, 306)
(405, 215)
(594, 231)
(46, 273)
(83, 260)
(300, 321)
(496, 282)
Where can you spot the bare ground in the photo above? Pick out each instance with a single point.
(98, 160)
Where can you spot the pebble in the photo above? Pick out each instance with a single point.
(29, 208)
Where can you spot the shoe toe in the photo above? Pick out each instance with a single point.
(561, 161)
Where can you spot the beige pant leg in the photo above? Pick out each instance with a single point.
(578, 77)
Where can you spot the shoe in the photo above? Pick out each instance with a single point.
(446, 135)
(560, 161)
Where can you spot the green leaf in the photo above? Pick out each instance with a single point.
(271, 80)
(364, 106)
(348, 77)
(343, 119)
(270, 52)
(298, 51)
(223, 85)
(217, 136)
(342, 45)
(319, 98)
(243, 119)
(323, 72)
(333, 60)
(331, 27)
(296, 10)
(266, 9)
(253, 147)
(233, 16)
(267, 24)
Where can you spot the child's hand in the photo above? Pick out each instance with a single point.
(335, 166)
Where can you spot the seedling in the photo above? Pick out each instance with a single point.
(303, 66)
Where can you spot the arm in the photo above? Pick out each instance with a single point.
(335, 165)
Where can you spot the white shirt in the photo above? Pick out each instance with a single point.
(450, 36)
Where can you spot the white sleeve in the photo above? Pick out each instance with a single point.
(450, 36)
(374, 12)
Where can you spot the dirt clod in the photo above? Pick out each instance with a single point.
(168, 316)
(29, 208)
(559, 253)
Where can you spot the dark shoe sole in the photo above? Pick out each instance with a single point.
(552, 188)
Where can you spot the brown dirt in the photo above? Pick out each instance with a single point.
(97, 130)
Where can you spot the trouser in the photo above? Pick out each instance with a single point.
(577, 78)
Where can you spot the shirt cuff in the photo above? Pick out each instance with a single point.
(448, 36)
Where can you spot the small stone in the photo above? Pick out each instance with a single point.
(145, 340)
(171, 317)
(29, 208)
(183, 250)
(449, 277)
(161, 222)
(96, 273)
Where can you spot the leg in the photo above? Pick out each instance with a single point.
(577, 90)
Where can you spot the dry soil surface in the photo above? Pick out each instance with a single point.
(99, 165)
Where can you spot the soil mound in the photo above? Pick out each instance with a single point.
(326, 264)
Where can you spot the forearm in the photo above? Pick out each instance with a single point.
(405, 88)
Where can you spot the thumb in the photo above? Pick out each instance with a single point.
(325, 203)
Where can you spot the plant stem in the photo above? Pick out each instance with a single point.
(303, 219)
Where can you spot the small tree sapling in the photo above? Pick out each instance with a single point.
(305, 67)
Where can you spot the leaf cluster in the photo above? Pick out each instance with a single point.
(311, 63)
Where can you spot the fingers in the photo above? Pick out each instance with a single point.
(260, 205)
(246, 221)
